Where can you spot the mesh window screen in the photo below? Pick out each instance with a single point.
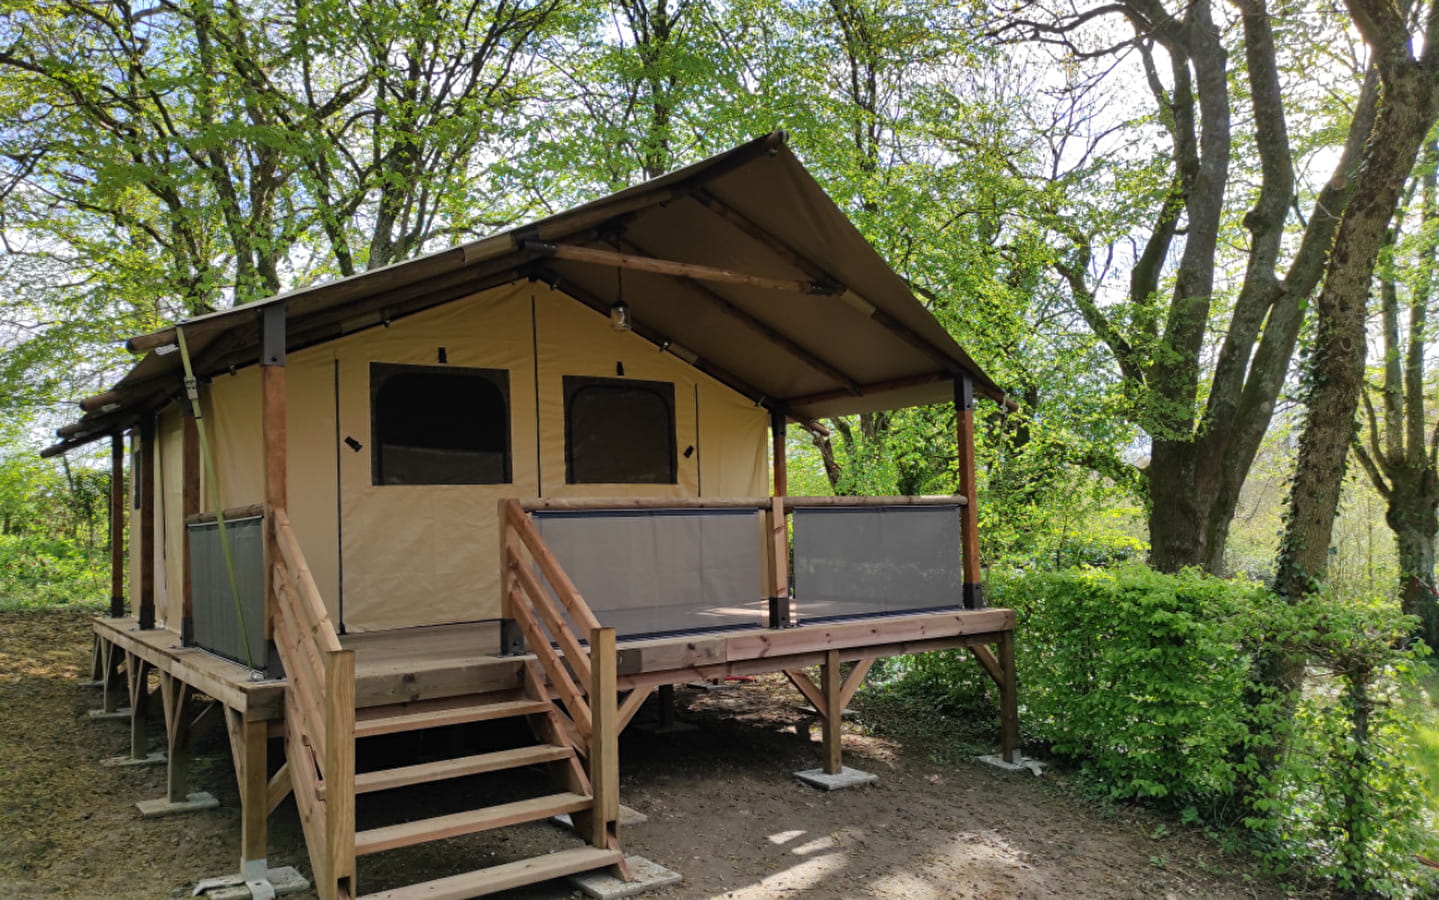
(850, 562)
(217, 627)
(658, 571)
(439, 425)
(619, 431)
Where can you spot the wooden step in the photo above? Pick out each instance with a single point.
(385, 779)
(440, 827)
(376, 720)
(504, 877)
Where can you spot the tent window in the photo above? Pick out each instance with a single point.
(619, 431)
(439, 425)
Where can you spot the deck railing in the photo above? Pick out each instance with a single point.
(581, 678)
(886, 552)
(319, 715)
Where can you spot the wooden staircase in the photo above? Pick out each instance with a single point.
(568, 704)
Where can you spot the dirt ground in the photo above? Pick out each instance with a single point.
(723, 807)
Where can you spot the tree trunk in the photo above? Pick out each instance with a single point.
(1412, 516)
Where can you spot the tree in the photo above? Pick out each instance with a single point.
(1397, 450)
(1205, 424)
(1335, 370)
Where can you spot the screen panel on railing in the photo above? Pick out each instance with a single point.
(862, 561)
(662, 571)
(217, 623)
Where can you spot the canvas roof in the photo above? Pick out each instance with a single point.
(856, 340)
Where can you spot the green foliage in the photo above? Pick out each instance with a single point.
(53, 538)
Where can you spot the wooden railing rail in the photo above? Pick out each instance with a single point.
(319, 714)
(533, 609)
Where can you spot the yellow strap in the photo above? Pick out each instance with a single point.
(192, 390)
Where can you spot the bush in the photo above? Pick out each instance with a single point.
(1147, 684)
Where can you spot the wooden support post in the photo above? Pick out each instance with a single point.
(833, 713)
(117, 525)
(190, 504)
(339, 770)
(111, 659)
(145, 612)
(175, 696)
(139, 702)
(777, 424)
(248, 746)
(604, 746)
(1008, 700)
(972, 590)
(667, 707)
(273, 429)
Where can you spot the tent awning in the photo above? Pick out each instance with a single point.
(740, 265)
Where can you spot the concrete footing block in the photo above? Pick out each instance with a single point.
(101, 715)
(845, 778)
(165, 807)
(1023, 764)
(157, 758)
(281, 882)
(646, 876)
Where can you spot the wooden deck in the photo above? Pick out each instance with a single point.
(433, 662)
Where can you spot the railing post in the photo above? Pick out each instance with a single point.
(340, 769)
(604, 738)
(777, 554)
(972, 590)
(189, 505)
(273, 421)
(512, 637)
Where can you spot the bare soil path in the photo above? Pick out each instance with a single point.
(723, 808)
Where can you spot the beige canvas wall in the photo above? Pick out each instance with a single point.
(391, 556)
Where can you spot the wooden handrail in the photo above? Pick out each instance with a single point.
(320, 712)
(601, 504)
(544, 557)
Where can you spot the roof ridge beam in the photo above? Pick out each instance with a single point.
(758, 325)
(654, 265)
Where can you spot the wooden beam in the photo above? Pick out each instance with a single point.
(339, 769)
(989, 664)
(279, 787)
(779, 459)
(806, 686)
(190, 505)
(972, 590)
(273, 434)
(175, 697)
(1008, 700)
(760, 327)
(778, 246)
(100, 401)
(138, 670)
(866, 390)
(117, 525)
(635, 262)
(853, 680)
(631, 705)
(604, 743)
(761, 503)
(145, 612)
(834, 713)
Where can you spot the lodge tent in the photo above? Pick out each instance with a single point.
(718, 300)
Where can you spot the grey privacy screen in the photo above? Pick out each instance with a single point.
(217, 628)
(659, 571)
(862, 561)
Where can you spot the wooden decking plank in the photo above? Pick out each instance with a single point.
(445, 769)
(504, 877)
(376, 720)
(438, 828)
